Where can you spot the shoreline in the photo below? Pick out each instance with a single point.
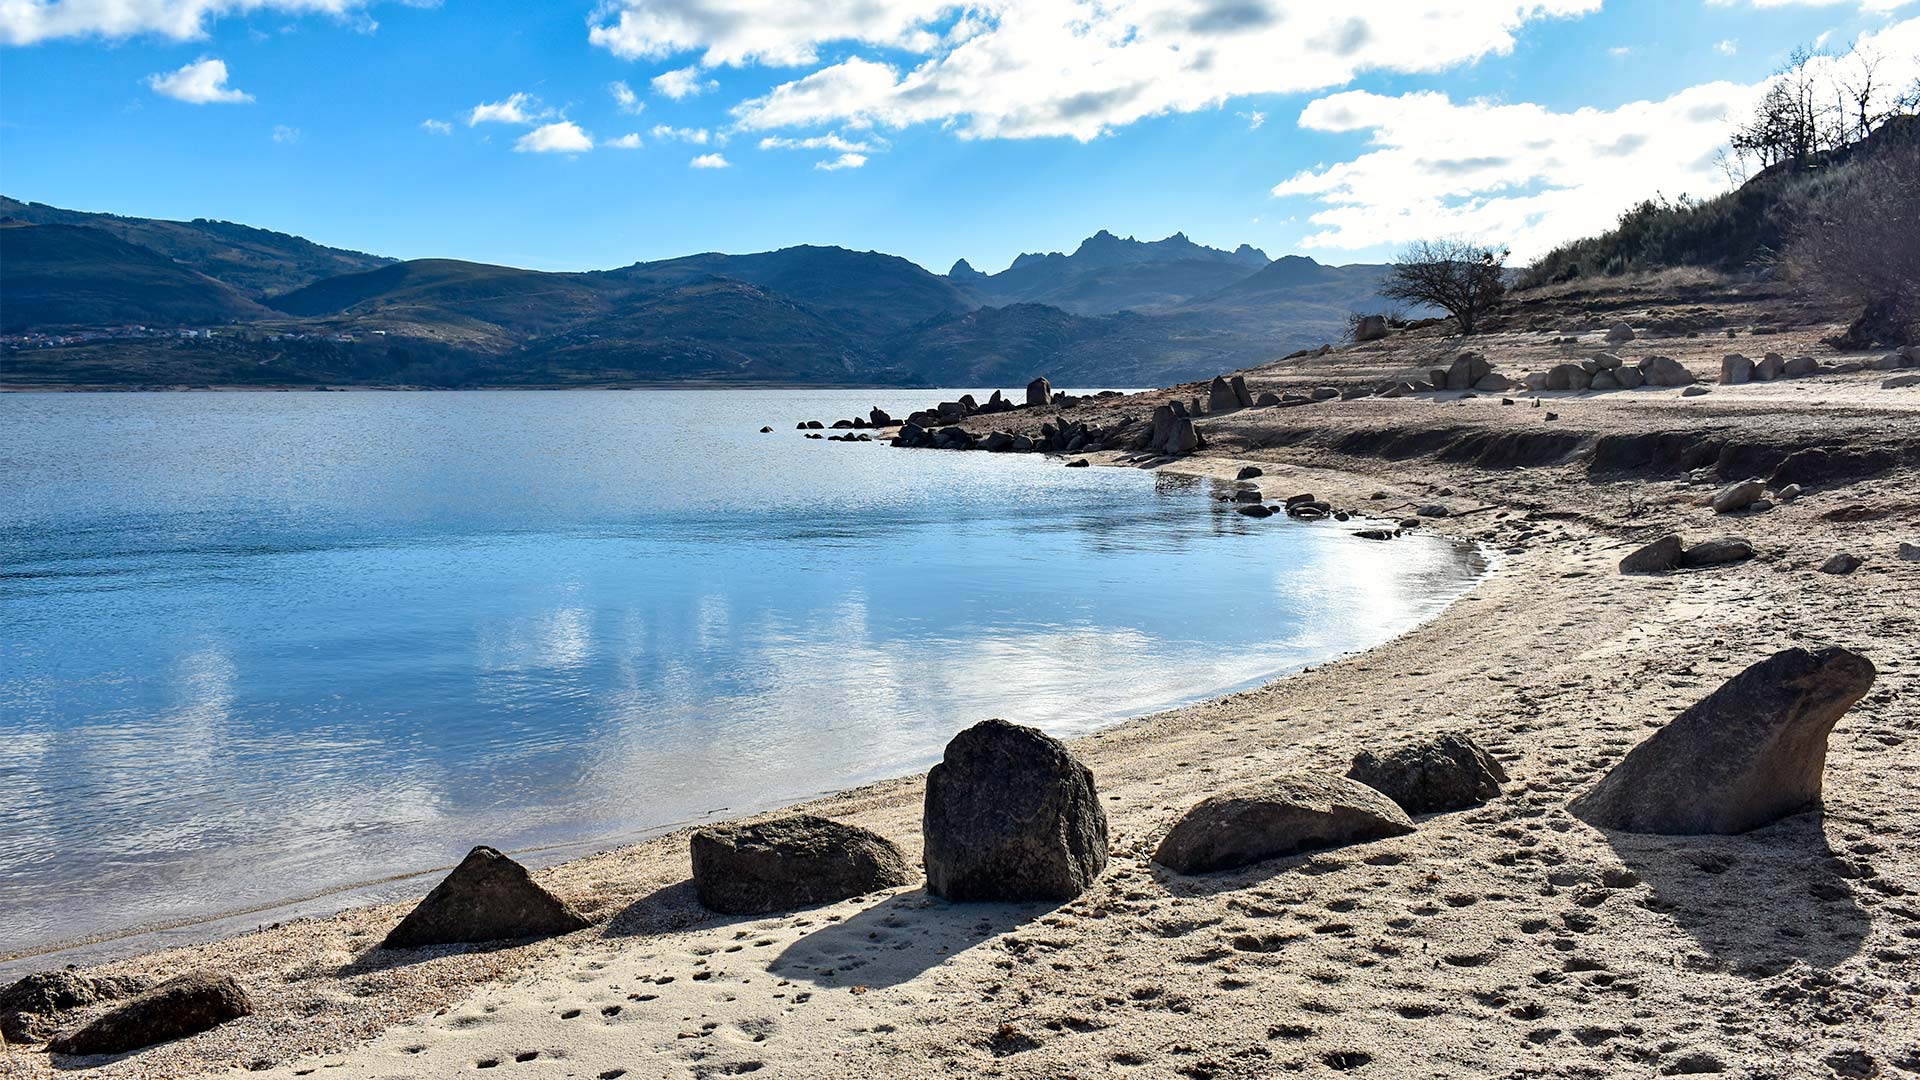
(1506, 937)
(132, 943)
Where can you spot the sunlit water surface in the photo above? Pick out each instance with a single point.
(259, 645)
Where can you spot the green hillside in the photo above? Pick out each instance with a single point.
(57, 277)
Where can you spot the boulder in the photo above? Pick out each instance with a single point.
(1220, 397)
(1660, 556)
(1604, 380)
(1467, 368)
(878, 417)
(1184, 438)
(30, 1007)
(1841, 564)
(1738, 496)
(1267, 398)
(1250, 472)
(1079, 463)
(1716, 552)
(1493, 383)
(1605, 361)
(1284, 816)
(1451, 772)
(1433, 510)
(1889, 362)
(1770, 367)
(1249, 495)
(1735, 369)
(1619, 334)
(1900, 382)
(1011, 815)
(1747, 754)
(1569, 377)
(1240, 396)
(1695, 391)
(1629, 378)
(1665, 371)
(1907, 552)
(1039, 393)
(791, 862)
(1255, 511)
(1800, 367)
(1325, 393)
(1370, 328)
(187, 1005)
(488, 897)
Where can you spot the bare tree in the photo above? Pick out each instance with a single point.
(1790, 123)
(1465, 279)
(1860, 245)
(1859, 91)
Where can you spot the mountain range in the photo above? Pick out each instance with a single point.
(101, 299)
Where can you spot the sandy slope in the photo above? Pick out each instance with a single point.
(1510, 940)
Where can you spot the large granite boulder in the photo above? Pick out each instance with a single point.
(1666, 371)
(1369, 328)
(1619, 334)
(1735, 369)
(1240, 392)
(488, 897)
(789, 863)
(1011, 815)
(1220, 396)
(1569, 377)
(1467, 369)
(1039, 393)
(1749, 753)
(1658, 557)
(187, 1005)
(1283, 816)
(1451, 772)
(1738, 496)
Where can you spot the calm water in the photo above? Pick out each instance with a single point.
(257, 645)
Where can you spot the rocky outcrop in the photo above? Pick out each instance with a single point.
(195, 1002)
(1748, 754)
(488, 897)
(1011, 815)
(1451, 772)
(791, 862)
(1283, 816)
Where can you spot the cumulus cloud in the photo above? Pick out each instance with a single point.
(1073, 68)
(682, 83)
(203, 82)
(710, 161)
(1522, 174)
(696, 136)
(26, 22)
(624, 97)
(629, 141)
(437, 127)
(562, 137)
(844, 161)
(518, 109)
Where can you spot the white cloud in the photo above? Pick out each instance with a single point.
(844, 161)
(203, 82)
(830, 141)
(437, 127)
(624, 97)
(1865, 5)
(710, 161)
(696, 136)
(629, 141)
(1074, 68)
(284, 134)
(518, 109)
(682, 83)
(1519, 173)
(1726, 46)
(1255, 119)
(25, 22)
(563, 137)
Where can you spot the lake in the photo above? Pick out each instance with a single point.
(261, 645)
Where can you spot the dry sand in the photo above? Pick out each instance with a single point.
(1506, 941)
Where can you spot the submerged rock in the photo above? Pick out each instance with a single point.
(195, 1002)
(488, 897)
(1011, 815)
(1747, 754)
(1283, 816)
(1451, 772)
(791, 862)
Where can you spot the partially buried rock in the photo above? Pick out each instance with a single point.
(1283, 816)
(1716, 552)
(789, 863)
(1451, 772)
(1661, 555)
(1011, 815)
(1738, 496)
(1251, 472)
(488, 897)
(1747, 754)
(195, 1002)
(29, 1007)
(1843, 563)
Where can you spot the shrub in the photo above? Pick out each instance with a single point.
(1859, 244)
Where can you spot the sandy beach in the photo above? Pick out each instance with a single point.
(1503, 941)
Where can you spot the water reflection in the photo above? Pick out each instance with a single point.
(260, 645)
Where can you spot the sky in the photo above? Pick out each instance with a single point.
(568, 135)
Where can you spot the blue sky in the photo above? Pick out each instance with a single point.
(1333, 130)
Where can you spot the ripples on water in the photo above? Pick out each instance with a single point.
(257, 645)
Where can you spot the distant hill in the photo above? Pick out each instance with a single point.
(488, 306)
(1295, 294)
(1107, 273)
(1006, 346)
(255, 261)
(56, 277)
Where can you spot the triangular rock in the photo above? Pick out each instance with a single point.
(1747, 754)
(488, 897)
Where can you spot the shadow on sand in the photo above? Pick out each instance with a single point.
(1756, 902)
(898, 939)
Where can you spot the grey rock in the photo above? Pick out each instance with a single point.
(1800, 367)
(1039, 393)
(1770, 367)
(1629, 378)
(1660, 556)
(1433, 510)
(1695, 391)
(1284, 816)
(1568, 377)
(1665, 371)
(1889, 362)
(31, 1006)
(1900, 382)
(1788, 493)
(1716, 552)
(1250, 472)
(1841, 564)
(1604, 380)
(1619, 334)
(1249, 495)
(187, 1005)
(1184, 439)
(1325, 393)
(791, 862)
(1605, 361)
(1738, 496)
(1370, 328)
(1240, 395)
(1747, 754)
(1908, 552)
(1467, 368)
(1011, 815)
(1220, 397)
(488, 897)
(1267, 398)
(1450, 772)
(1735, 369)
(1255, 511)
